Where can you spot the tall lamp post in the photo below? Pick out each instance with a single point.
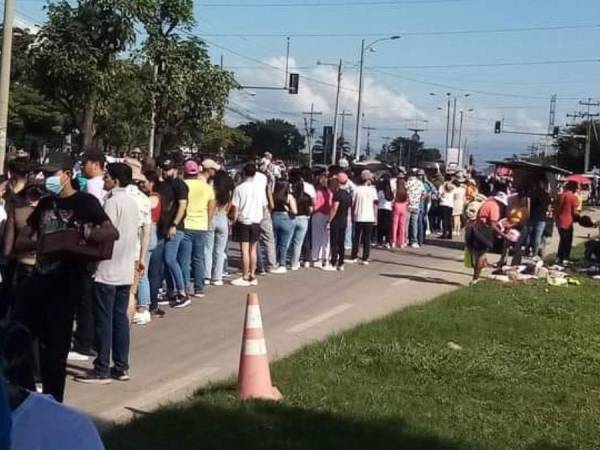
(337, 107)
(363, 49)
(449, 140)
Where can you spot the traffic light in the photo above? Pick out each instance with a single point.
(294, 82)
(498, 127)
(555, 132)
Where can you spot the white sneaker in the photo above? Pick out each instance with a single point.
(306, 265)
(295, 268)
(363, 262)
(328, 268)
(76, 356)
(352, 261)
(340, 268)
(217, 283)
(142, 318)
(242, 282)
(317, 264)
(253, 282)
(279, 270)
(415, 245)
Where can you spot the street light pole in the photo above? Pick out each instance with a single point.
(359, 107)
(453, 124)
(363, 48)
(7, 34)
(335, 115)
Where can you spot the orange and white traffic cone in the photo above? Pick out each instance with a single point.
(254, 378)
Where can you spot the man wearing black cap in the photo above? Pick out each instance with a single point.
(174, 194)
(58, 282)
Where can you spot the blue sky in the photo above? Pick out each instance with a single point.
(395, 95)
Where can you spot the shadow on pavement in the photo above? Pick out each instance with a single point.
(419, 279)
(414, 266)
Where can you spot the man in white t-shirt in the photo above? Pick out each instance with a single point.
(249, 205)
(93, 169)
(364, 211)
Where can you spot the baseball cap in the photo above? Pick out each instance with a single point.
(64, 163)
(191, 167)
(210, 164)
(502, 198)
(167, 164)
(421, 172)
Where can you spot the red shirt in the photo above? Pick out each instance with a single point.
(157, 210)
(489, 211)
(567, 208)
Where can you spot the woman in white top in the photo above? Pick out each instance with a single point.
(460, 194)
(385, 200)
(446, 195)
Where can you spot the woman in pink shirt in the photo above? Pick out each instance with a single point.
(319, 232)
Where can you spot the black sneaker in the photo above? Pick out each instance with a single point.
(198, 294)
(182, 301)
(158, 313)
(93, 377)
(120, 375)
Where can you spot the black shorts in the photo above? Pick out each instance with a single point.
(246, 233)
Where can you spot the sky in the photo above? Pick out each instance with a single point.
(469, 48)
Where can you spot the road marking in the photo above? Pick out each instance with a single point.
(320, 318)
(422, 273)
(174, 390)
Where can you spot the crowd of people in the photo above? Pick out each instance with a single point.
(105, 243)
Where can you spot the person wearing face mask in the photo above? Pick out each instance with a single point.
(59, 281)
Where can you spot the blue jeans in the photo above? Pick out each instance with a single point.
(156, 272)
(537, 229)
(143, 294)
(298, 235)
(191, 256)
(216, 247)
(173, 267)
(283, 227)
(111, 327)
(414, 227)
(422, 226)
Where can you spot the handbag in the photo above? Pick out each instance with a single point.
(71, 245)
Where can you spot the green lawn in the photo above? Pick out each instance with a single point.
(527, 377)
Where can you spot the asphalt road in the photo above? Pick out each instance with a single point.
(173, 356)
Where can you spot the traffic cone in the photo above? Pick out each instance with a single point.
(254, 378)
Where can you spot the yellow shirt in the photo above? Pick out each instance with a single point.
(199, 196)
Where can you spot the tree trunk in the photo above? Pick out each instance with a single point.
(158, 141)
(87, 127)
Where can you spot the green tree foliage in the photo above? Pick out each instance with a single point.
(406, 152)
(31, 117)
(125, 122)
(75, 56)
(571, 152)
(276, 136)
(221, 138)
(188, 91)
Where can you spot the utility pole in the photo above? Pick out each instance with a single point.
(343, 115)
(460, 128)
(447, 130)
(7, 33)
(369, 129)
(588, 142)
(359, 107)
(310, 130)
(153, 111)
(337, 106)
(453, 124)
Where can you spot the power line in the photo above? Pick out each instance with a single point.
(363, 3)
(410, 33)
(472, 91)
(504, 64)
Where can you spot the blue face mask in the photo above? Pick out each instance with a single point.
(53, 185)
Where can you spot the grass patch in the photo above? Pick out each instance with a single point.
(527, 377)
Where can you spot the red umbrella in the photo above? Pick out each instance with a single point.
(580, 179)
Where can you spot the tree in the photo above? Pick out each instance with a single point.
(221, 138)
(125, 122)
(75, 56)
(570, 152)
(188, 91)
(276, 136)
